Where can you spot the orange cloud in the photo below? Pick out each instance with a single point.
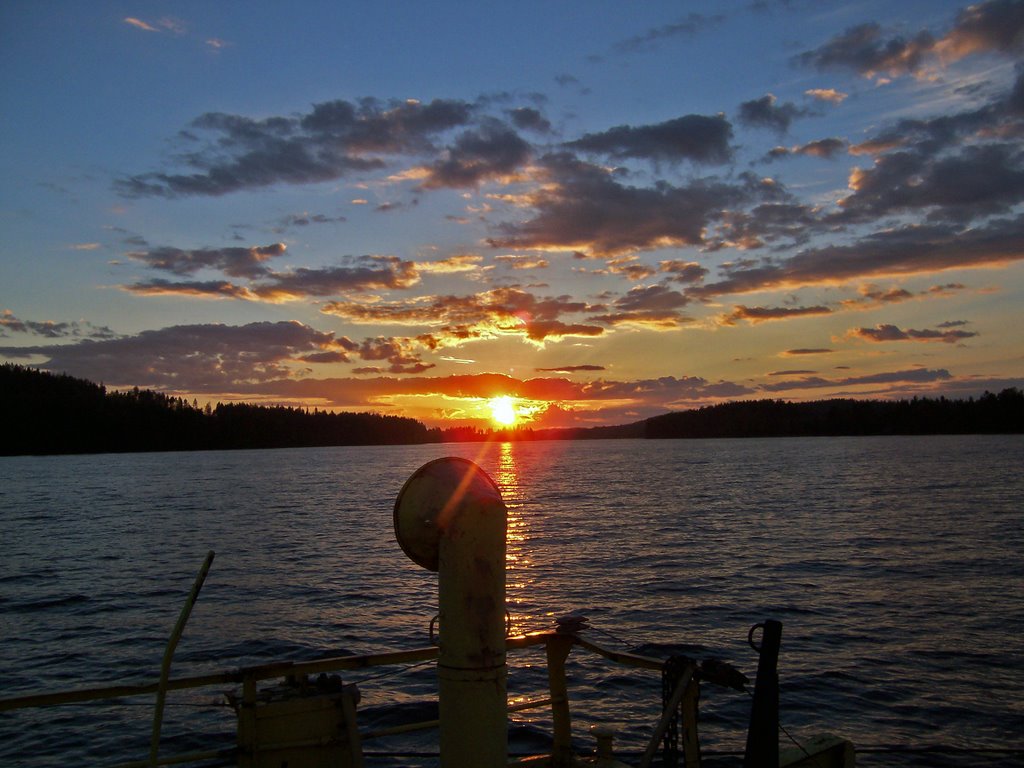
(490, 314)
(465, 262)
(140, 24)
(826, 94)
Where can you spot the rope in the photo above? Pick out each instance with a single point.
(395, 672)
(792, 738)
(618, 640)
(800, 746)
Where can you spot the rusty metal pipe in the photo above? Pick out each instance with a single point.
(450, 518)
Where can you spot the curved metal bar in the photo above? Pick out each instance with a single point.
(165, 666)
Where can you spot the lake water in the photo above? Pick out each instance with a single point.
(895, 564)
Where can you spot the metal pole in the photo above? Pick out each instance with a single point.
(763, 736)
(449, 517)
(165, 667)
(558, 648)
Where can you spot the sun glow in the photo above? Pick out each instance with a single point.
(503, 410)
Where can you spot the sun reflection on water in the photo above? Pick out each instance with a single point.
(517, 553)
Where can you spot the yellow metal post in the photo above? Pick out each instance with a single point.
(449, 517)
(558, 647)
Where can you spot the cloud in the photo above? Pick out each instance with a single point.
(202, 289)
(324, 357)
(755, 315)
(139, 24)
(650, 319)
(649, 297)
(332, 140)
(348, 392)
(647, 396)
(397, 352)
(698, 138)
(683, 271)
(455, 320)
(201, 358)
(826, 149)
(684, 29)
(555, 330)
(491, 151)
(807, 351)
(864, 50)
(872, 296)
(306, 219)
(975, 181)
(570, 369)
(766, 112)
(763, 225)
(669, 390)
(164, 24)
(876, 296)
(830, 95)
(354, 275)
(907, 250)
(519, 261)
(50, 329)
(529, 119)
(996, 25)
(235, 262)
(585, 208)
(912, 376)
(363, 274)
(463, 262)
(999, 119)
(629, 267)
(571, 81)
(886, 332)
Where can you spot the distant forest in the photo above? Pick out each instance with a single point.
(45, 413)
(989, 414)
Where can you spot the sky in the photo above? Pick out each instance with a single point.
(602, 211)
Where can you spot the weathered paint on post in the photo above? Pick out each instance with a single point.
(450, 518)
(558, 648)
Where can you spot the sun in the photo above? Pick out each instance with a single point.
(503, 410)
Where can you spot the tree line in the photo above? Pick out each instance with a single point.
(1001, 413)
(46, 413)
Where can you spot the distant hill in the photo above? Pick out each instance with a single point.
(989, 414)
(45, 413)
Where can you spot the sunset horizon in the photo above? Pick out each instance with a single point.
(516, 216)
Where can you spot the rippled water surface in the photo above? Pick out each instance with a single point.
(896, 566)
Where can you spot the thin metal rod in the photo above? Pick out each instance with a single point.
(165, 667)
(284, 668)
(258, 672)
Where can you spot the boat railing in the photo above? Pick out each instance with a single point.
(557, 646)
